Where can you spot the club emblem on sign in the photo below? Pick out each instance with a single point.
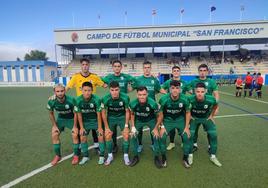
(74, 37)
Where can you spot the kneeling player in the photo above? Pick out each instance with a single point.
(143, 113)
(88, 109)
(175, 114)
(116, 113)
(64, 106)
(203, 109)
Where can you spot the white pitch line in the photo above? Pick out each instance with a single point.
(43, 168)
(230, 94)
(240, 115)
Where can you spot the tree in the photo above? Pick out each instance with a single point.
(36, 55)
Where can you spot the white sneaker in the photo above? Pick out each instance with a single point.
(126, 159)
(101, 161)
(171, 146)
(109, 159)
(190, 159)
(84, 160)
(215, 161)
(96, 145)
(140, 148)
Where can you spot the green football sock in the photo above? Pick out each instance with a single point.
(76, 149)
(109, 145)
(84, 149)
(125, 146)
(102, 148)
(56, 148)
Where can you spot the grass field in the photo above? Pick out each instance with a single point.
(26, 145)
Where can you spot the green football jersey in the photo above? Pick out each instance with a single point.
(166, 85)
(64, 110)
(88, 108)
(122, 79)
(210, 85)
(202, 109)
(144, 112)
(116, 107)
(151, 83)
(174, 109)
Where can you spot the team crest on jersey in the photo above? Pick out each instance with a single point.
(206, 83)
(147, 109)
(205, 106)
(122, 78)
(67, 106)
(152, 81)
(180, 105)
(91, 105)
(120, 103)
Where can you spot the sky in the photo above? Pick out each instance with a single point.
(29, 24)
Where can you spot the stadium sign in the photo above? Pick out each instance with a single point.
(163, 33)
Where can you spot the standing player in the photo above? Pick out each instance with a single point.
(153, 87)
(175, 114)
(143, 113)
(211, 87)
(176, 71)
(116, 113)
(88, 109)
(64, 106)
(253, 85)
(85, 76)
(203, 110)
(124, 81)
(239, 86)
(259, 85)
(248, 82)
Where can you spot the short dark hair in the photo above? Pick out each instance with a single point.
(147, 63)
(175, 83)
(142, 88)
(259, 74)
(254, 73)
(84, 59)
(116, 61)
(248, 72)
(203, 66)
(176, 67)
(87, 84)
(113, 84)
(200, 84)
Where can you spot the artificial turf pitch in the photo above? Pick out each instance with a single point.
(25, 145)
